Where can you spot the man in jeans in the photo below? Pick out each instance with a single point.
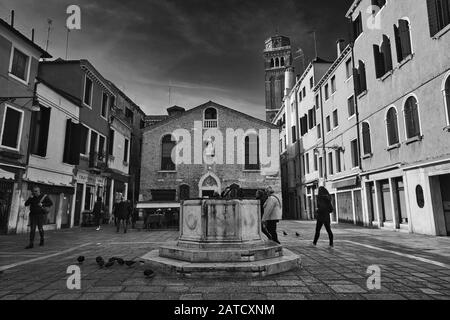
(37, 202)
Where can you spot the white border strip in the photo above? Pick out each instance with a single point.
(10, 266)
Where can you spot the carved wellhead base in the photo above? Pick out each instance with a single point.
(222, 238)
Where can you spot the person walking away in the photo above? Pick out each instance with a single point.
(272, 214)
(262, 197)
(39, 205)
(122, 214)
(324, 208)
(98, 212)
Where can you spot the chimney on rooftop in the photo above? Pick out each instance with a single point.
(12, 18)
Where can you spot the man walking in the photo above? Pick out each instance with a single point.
(39, 205)
(272, 214)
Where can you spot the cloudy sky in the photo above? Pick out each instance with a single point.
(203, 49)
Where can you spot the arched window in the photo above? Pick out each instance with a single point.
(277, 62)
(252, 152)
(412, 118)
(210, 118)
(447, 98)
(167, 146)
(392, 126)
(272, 63)
(403, 39)
(282, 61)
(184, 192)
(367, 142)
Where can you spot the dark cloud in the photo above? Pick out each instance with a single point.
(206, 49)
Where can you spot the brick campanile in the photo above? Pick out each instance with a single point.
(277, 57)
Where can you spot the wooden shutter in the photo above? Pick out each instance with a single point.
(405, 38)
(67, 142)
(433, 17)
(362, 76)
(357, 81)
(387, 54)
(398, 44)
(379, 64)
(75, 144)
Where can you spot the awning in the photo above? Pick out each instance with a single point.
(345, 183)
(6, 175)
(157, 205)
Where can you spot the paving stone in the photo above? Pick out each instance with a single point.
(383, 296)
(345, 288)
(191, 296)
(96, 296)
(430, 291)
(286, 296)
(105, 289)
(125, 296)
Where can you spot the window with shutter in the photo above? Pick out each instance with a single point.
(379, 61)
(412, 118)
(367, 143)
(354, 153)
(392, 126)
(351, 106)
(111, 142)
(403, 39)
(387, 54)
(362, 76)
(357, 27)
(41, 123)
(438, 15)
(71, 153)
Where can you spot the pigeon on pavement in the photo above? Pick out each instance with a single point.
(80, 259)
(284, 233)
(130, 263)
(100, 261)
(120, 261)
(149, 273)
(297, 234)
(109, 264)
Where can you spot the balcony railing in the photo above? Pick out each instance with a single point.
(210, 124)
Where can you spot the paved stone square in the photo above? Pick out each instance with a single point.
(412, 267)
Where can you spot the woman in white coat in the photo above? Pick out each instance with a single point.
(272, 214)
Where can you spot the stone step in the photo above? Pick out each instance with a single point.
(248, 269)
(267, 251)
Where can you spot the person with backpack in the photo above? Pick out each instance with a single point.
(272, 214)
(40, 205)
(324, 208)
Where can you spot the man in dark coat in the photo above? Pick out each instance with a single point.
(122, 213)
(98, 212)
(324, 208)
(38, 203)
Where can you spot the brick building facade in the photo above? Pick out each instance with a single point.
(162, 180)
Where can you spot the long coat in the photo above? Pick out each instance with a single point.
(324, 208)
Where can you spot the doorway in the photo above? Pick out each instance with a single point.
(445, 191)
(79, 196)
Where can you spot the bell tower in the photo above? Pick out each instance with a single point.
(277, 58)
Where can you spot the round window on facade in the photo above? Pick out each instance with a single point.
(420, 197)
